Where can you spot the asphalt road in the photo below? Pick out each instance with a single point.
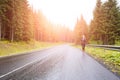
(57, 63)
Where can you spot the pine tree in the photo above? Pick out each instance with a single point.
(14, 20)
(95, 27)
(81, 28)
(106, 22)
(3, 18)
(111, 21)
(26, 23)
(7, 20)
(118, 28)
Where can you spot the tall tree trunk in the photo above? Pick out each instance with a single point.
(12, 34)
(12, 26)
(3, 32)
(0, 29)
(41, 36)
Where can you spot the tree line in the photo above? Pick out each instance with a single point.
(46, 31)
(81, 28)
(19, 22)
(105, 26)
(14, 23)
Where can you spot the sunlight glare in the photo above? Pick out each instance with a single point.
(65, 12)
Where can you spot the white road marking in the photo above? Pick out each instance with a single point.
(24, 66)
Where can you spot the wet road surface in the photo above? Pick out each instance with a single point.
(57, 63)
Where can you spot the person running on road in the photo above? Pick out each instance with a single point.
(83, 42)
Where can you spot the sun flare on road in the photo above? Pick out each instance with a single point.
(65, 12)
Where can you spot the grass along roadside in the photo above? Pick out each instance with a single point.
(111, 59)
(7, 48)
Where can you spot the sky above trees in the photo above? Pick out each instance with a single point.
(65, 12)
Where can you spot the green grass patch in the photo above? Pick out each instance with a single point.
(7, 48)
(108, 57)
(117, 43)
